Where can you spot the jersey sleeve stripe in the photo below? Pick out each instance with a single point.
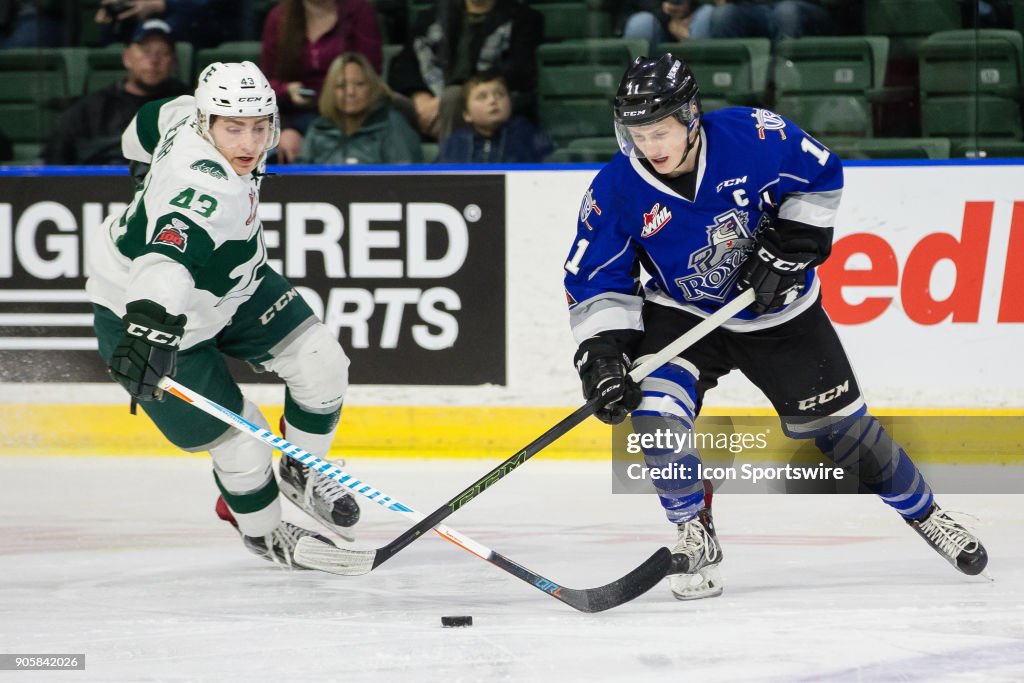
(608, 311)
(817, 209)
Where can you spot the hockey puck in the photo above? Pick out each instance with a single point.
(456, 621)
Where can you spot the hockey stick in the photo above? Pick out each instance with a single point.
(348, 561)
(633, 584)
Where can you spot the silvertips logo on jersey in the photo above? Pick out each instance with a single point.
(210, 167)
(717, 265)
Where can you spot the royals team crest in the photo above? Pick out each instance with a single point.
(587, 207)
(717, 265)
(769, 120)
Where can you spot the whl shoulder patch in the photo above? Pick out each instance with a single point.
(210, 167)
(173, 234)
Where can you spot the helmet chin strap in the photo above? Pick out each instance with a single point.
(689, 148)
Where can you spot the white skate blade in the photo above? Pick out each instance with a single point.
(296, 498)
(315, 554)
(707, 583)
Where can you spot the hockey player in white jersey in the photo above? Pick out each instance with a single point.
(179, 281)
(711, 204)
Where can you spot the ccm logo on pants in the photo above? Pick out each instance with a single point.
(824, 397)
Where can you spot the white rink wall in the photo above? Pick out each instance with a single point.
(965, 360)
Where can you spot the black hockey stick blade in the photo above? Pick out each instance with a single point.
(328, 558)
(632, 585)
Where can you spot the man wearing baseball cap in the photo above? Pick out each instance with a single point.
(90, 131)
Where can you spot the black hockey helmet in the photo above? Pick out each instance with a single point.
(653, 89)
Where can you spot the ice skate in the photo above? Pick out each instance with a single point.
(278, 546)
(950, 539)
(319, 496)
(695, 560)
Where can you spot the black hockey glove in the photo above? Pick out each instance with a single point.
(147, 350)
(776, 277)
(604, 369)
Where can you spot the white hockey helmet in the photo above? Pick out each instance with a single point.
(236, 89)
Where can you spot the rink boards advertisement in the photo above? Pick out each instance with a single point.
(446, 291)
(408, 272)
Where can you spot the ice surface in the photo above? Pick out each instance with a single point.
(123, 560)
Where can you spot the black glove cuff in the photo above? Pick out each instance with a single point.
(608, 344)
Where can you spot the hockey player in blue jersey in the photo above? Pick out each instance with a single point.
(711, 204)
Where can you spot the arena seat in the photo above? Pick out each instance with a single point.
(890, 148)
(33, 92)
(232, 51)
(828, 85)
(573, 21)
(971, 89)
(577, 82)
(729, 71)
(908, 22)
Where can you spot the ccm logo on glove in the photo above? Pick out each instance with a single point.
(776, 263)
(154, 336)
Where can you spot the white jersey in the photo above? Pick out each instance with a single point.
(190, 240)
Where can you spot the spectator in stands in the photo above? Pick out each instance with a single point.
(301, 39)
(491, 134)
(204, 23)
(357, 123)
(89, 132)
(32, 23)
(774, 19)
(665, 21)
(462, 38)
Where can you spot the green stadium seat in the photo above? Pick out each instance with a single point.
(573, 21)
(576, 83)
(988, 147)
(891, 148)
(908, 22)
(232, 51)
(33, 92)
(827, 85)
(971, 88)
(592, 150)
(429, 150)
(729, 71)
(186, 59)
(103, 67)
(585, 150)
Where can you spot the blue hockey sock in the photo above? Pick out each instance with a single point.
(862, 447)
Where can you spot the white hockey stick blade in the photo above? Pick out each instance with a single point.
(327, 558)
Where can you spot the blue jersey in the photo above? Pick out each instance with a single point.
(756, 170)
